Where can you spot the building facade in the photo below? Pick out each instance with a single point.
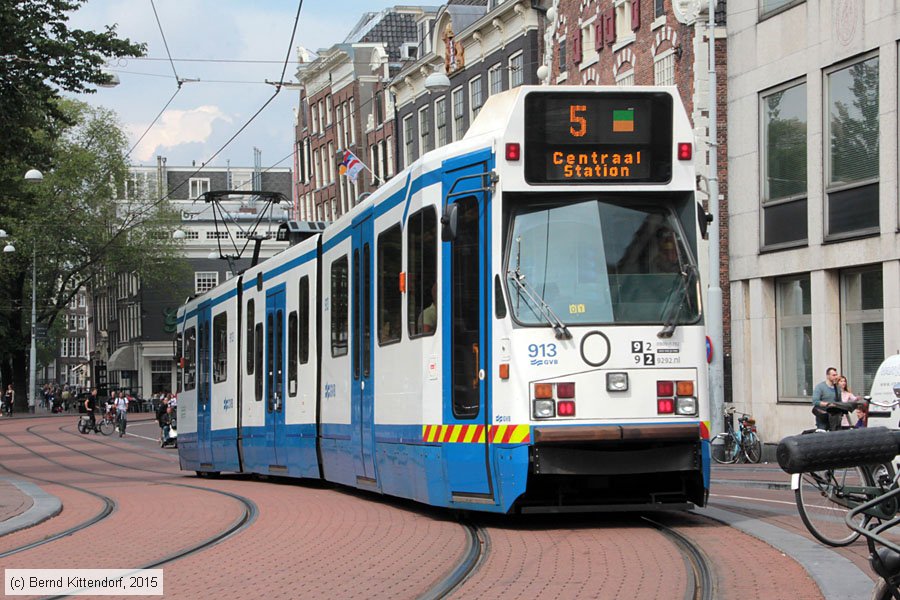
(815, 253)
(133, 325)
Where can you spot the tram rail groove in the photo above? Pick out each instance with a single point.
(479, 547)
(702, 583)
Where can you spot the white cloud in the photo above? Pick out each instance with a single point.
(177, 127)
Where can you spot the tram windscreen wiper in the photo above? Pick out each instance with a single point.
(688, 275)
(559, 328)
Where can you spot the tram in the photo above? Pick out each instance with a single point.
(511, 324)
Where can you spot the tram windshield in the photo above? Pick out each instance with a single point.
(597, 261)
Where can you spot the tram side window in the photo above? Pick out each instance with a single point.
(292, 353)
(251, 318)
(421, 283)
(339, 306)
(390, 259)
(220, 348)
(190, 359)
(304, 320)
(258, 359)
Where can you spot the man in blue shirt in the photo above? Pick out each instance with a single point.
(824, 394)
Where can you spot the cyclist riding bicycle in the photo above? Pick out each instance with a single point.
(121, 405)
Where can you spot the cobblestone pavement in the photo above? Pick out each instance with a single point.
(313, 540)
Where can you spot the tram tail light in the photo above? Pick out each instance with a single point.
(686, 406)
(684, 388)
(617, 382)
(665, 406)
(543, 391)
(665, 388)
(513, 151)
(565, 390)
(566, 408)
(685, 151)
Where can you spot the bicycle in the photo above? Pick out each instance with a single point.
(105, 425)
(867, 503)
(121, 421)
(741, 444)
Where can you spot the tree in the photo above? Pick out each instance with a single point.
(78, 228)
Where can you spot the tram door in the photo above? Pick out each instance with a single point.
(204, 364)
(363, 396)
(465, 298)
(276, 437)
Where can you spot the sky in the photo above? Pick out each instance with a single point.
(200, 35)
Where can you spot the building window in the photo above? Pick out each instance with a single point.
(390, 255)
(588, 44)
(351, 120)
(198, 186)
(624, 29)
(770, 6)
(424, 131)
(664, 68)
(476, 96)
(659, 8)
(459, 113)
(625, 77)
(389, 144)
(331, 166)
(220, 347)
(862, 325)
(852, 160)
(318, 166)
(516, 70)
(783, 166)
(421, 252)
(205, 281)
(561, 59)
(339, 122)
(440, 120)
(495, 79)
(793, 308)
(339, 306)
(160, 376)
(328, 108)
(408, 140)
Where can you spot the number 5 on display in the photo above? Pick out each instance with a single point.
(574, 109)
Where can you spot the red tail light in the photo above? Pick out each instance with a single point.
(665, 388)
(665, 406)
(513, 151)
(685, 151)
(565, 390)
(565, 408)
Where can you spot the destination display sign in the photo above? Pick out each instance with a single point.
(598, 137)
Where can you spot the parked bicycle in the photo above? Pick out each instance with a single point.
(846, 485)
(738, 444)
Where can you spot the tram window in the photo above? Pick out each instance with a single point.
(190, 359)
(220, 347)
(292, 353)
(249, 342)
(499, 302)
(390, 262)
(367, 310)
(421, 280)
(339, 307)
(355, 319)
(304, 320)
(258, 359)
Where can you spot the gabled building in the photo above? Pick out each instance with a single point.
(484, 47)
(344, 106)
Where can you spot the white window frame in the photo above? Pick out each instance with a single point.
(197, 186)
(624, 33)
(205, 281)
(458, 121)
(516, 72)
(625, 77)
(423, 133)
(390, 155)
(473, 109)
(589, 54)
(664, 65)
(495, 73)
(440, 113)
(852, 363)
(409, 141)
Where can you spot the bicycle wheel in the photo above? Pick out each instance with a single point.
(751, 447)
(82, 426)
(730, 450)
(106, 427)
(823, 503)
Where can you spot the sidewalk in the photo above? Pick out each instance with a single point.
(24, 504)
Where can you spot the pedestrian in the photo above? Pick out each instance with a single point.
(824, 395)
(9, 397)
(121, 404)
(161, 418)
(90, 405)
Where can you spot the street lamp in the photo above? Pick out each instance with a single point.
(33, 176)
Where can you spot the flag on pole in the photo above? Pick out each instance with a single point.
(351, 165)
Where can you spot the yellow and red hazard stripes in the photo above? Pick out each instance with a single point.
(497, 434)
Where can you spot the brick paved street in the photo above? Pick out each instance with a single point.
(309, 540)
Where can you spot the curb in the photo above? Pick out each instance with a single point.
(44, 506)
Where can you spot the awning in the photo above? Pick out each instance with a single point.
(121, 360)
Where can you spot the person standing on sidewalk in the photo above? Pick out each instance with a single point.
(824, 394)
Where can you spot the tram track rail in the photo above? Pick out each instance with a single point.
(701, 582)
(478, 549)
(243, 521)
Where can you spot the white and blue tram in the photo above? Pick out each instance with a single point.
(511, 323)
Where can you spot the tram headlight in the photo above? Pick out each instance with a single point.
(617, 382)
(686, 405)
(543, 409)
